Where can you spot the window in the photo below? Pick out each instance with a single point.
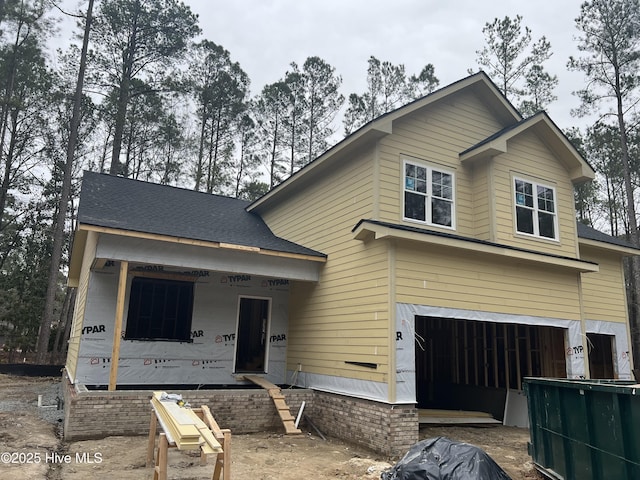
(428, 195)
(159, 309)
(535, 209)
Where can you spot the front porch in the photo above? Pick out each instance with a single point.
(163, 312)
(381, 427)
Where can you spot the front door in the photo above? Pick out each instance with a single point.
(252, 335)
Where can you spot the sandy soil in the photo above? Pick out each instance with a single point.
(30, 448)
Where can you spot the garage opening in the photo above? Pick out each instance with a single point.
(470, 365)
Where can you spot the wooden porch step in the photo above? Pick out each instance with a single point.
(288, 421)
(286, 416)
(261, 381)
(280, 404)
(290, 427)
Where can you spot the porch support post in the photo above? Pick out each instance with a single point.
(117, 329)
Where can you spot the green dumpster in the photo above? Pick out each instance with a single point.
(584, 429)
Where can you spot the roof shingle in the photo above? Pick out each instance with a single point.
(132, 205)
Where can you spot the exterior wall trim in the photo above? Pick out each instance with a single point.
(367, 229)
(200, 243)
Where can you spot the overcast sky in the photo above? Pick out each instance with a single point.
(265, 36)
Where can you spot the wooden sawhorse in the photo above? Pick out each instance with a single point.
(223, 459)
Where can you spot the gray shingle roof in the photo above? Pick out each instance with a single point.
(125, 204)
(589, 233)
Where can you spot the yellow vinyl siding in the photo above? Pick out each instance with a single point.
(344, 317)
(436, 135)
(348, 307)
(348, 315)
(443, 277)
(81, 301)
(529, 159)
(604, 295)
(482, 201)
(317, 215)
(483, 188)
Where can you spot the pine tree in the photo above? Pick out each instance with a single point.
(516, 64)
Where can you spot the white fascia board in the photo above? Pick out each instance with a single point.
(156, 252)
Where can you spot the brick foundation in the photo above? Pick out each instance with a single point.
(388, 429)
(95, 414)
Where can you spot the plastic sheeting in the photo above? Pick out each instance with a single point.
(352, 387)
(207, 359)
(621, 342)
(443, 459)
(406, 345)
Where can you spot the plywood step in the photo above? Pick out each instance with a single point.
(278, 401)
(261, 381)
(286, 416)
(280, 404)
(290, 427)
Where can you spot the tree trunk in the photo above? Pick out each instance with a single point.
(312, 119)
(634, 315)
(61, 320)
(273, 154)
(59, 225)
(216, 151)
(67, 320)
(129, 169)
(4, 120)
(201, 150)
(105, 151)
(292, 165)
(118, 130)
(123, 101)
(243, 146)
(214, 142)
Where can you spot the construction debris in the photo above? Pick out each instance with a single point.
(186, 429)
(182, 425)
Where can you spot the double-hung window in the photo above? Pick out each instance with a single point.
(428, 195)
(535, 209)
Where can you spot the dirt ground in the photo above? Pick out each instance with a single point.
(31, 448)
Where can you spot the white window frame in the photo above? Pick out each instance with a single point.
(430, 169)
(535, 209)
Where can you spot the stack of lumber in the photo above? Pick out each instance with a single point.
(183, 426)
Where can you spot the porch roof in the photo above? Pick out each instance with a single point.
(134, 206)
